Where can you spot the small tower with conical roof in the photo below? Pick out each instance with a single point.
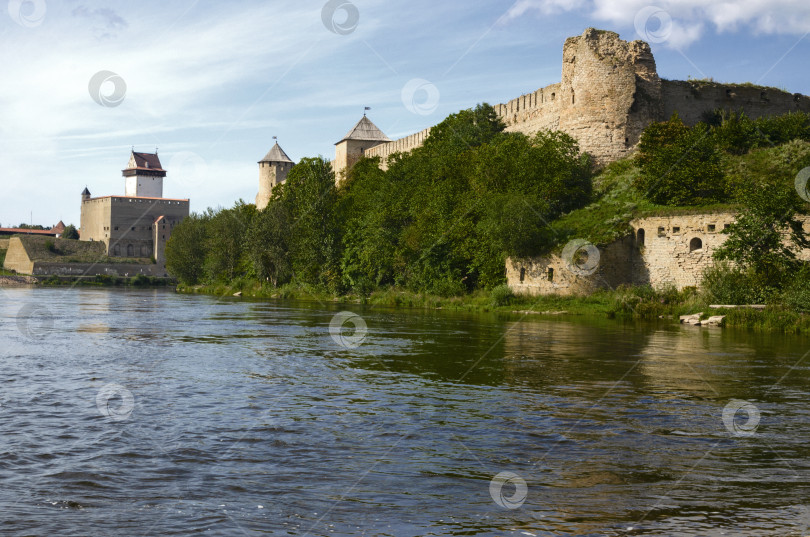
(364, 135)
(85, 194)
(273, 170)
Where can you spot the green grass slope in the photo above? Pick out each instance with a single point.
(617, 202)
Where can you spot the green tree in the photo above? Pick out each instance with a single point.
(680, 166)
(226, 253)
(309, 197)
(767, 233)
(186, 248)
(444, 217)
(70, 232)
(268, 244)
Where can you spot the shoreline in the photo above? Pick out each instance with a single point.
(621, 304)
(17, 281)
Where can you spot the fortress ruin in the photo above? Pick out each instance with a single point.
(609, 93)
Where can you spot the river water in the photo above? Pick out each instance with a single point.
(152, 413)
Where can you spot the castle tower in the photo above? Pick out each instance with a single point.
(364, 135)
(85, 194)
(609, 92)
(273, 170)
(144, 176)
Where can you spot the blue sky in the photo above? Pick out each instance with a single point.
(210, 84)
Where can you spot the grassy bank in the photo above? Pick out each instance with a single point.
(622, 303)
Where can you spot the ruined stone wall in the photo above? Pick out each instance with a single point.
(675, 250)
(692, 99)
(533, 277)
(662, 251)
(609, 92)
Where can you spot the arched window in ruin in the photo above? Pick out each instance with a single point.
(695, 244)
(522, 275)
(130, 250)
(640, 237)
(550, 274)
(553, 95)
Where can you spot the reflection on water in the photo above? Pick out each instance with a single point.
(248, 418)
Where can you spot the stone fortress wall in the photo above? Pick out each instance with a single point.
(609, 92)
(129, 226)
(661, 251)
(402, 145)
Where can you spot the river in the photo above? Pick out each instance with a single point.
(145, 412)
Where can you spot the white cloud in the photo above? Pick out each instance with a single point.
(546, 7)
(689, 18)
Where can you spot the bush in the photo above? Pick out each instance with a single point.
(641, 301)
(501, 295)
(797, 294)
(70, 232)
(140, 280)
(725, 284)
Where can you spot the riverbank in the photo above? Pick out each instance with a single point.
(10, 280)
(624, 302)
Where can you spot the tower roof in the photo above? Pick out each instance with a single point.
(276, 154)
(144, 164)
(85, 192)
(147, 160)
(365, 131)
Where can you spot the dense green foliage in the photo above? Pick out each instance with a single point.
(680, 165)
(684, 165)
(186, 249)
(70, 232)
(441, 219)
(759, 258)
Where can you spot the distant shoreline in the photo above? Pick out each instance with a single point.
(17, 281)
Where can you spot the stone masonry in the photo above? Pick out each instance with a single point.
(661, 251)
(609, 92)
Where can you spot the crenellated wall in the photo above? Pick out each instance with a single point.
(609, 92)
(402, 145)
